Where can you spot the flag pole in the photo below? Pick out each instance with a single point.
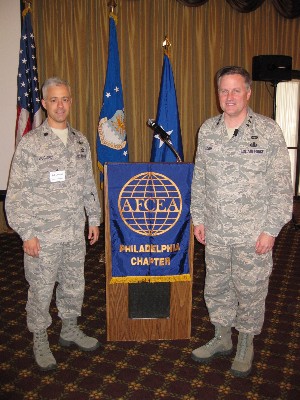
(167, 116)
(111, 139)
(27, 7)
(166, 46)
(112, 4)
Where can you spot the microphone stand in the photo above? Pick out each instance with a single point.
(164, 137)
(171, 147)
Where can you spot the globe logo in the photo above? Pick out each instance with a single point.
(150, 204)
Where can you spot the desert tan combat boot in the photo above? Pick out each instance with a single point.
(220, 344)
(242, 362)
(71, 334)
(42, 353)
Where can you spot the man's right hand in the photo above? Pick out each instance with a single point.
(199, 232)
(32, 247)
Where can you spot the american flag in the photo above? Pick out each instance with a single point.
(29, 112)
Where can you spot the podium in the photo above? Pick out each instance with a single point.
(142, 311)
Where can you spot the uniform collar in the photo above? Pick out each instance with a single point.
(46, 129)
(247, 121)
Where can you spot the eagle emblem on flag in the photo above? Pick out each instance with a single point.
(112, 131)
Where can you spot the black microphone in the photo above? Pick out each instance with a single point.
(158, 129)
(235, 133)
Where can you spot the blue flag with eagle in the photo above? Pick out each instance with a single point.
(111, 138)
(167, 117)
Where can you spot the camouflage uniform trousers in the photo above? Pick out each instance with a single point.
(57, 262)
(236, 286)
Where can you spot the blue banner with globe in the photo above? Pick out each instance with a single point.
(150, 222)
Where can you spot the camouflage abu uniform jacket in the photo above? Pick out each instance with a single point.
(242, 186)
(50, 186)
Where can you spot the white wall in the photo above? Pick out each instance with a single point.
(10, 31)
(287, 116)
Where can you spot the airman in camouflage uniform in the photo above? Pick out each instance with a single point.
(241, 198)
(51, 190)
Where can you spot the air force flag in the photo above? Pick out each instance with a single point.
(111, 138)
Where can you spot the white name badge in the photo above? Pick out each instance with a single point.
(57, 176)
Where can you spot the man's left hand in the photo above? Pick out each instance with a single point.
(93, 234)
(264, 243)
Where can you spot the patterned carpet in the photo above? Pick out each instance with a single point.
(157, 369)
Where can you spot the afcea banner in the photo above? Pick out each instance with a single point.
(149, 208)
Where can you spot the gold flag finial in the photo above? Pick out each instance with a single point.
(27, 7)
(166, 45)
(112, 4)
